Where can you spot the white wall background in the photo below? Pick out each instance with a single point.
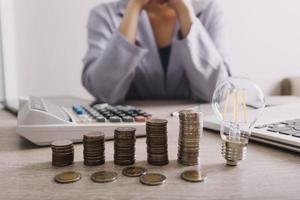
(50, 41)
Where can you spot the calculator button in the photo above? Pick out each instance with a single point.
(98, 115)
(122, 115)
(129, 112)
(139, 118)
(128, 119)
(114, 119)
(100, 119)
(79, 110)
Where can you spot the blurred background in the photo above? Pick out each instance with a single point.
(44, 41)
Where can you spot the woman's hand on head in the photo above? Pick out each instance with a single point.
(139, 4)
(179, 5)
(185, 13)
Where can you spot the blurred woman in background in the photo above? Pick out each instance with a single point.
(155, 49)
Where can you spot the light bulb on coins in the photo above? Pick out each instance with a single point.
(238, 104)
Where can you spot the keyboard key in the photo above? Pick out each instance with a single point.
(289, 132)
(297, 128)
(260, 126)
(278, 129)
(296, 135)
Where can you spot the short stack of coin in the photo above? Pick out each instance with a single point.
(62, 153)
(94, 148)
(157, 141)
(191, 127)
(124, 138)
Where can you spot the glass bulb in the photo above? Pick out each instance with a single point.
(238, 104)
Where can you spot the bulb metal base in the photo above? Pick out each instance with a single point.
(234, 151)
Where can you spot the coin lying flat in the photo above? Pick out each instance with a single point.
(153, 179)
(134, 171)
(104, 176)
(193, 176)
(68, 177)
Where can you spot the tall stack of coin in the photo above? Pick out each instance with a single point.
(124, 145)
(191, 127)
(157, 141)
(94, 148)
(62, 153)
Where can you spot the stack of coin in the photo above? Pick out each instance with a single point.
(124, 146)
(94, 148)
(191, 127)
(157, 141)
(62, 153)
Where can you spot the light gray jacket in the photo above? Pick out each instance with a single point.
(115, 69)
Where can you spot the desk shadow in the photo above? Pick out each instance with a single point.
(14, 142)
(26, 144)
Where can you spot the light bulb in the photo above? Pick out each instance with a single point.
(238, 104)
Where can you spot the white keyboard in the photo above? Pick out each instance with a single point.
(279, 126)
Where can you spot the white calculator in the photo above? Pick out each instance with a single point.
(42, 121)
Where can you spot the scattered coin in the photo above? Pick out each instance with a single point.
(94, 148)
(62, 153)
(193, 176)
(67, 177)
(153, 179)
(124, 145)
(157, 141)
(104, 176)
(190, 132)
(134, 171)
